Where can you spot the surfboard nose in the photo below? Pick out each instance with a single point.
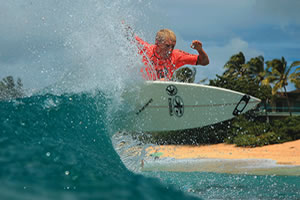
(255, 99)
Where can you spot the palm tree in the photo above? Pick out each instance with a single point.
(280, 75)
(257, 71)
(236, 65)
(256, 68)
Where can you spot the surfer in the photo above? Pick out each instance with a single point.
(162, 60)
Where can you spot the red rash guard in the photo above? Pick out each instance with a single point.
(157, 67)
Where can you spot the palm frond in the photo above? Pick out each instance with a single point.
(275, 88)
(296, 63)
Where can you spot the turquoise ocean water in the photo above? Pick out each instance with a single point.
(59, 147)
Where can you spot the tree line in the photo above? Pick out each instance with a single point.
(256, 79)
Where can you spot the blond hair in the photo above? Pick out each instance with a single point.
(165, 34)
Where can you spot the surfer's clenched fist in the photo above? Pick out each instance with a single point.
(196, 44)
(202, 58)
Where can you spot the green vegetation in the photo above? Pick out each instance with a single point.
(280, 75)
(252, 78)
(252, 133)
(9, 89)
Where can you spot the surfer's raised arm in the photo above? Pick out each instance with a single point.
(202, 58)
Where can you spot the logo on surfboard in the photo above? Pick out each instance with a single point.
(176, 105)
(171, 90)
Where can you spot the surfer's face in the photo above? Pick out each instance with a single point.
(165, 48)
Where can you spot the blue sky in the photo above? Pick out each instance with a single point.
(38, 38)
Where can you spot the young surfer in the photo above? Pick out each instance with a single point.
(162, 60)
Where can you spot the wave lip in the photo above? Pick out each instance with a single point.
(59, 147)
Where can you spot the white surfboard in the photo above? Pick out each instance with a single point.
(165, 106)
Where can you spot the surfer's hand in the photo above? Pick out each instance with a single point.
(196, 44)
(202, 58)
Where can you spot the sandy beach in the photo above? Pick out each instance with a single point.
(285, 154)
(277, 159)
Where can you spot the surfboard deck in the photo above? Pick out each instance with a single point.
(166, 106)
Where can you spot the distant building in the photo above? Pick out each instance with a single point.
(281, 104)
(279, 107)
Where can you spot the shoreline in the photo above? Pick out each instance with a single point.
(284, 154)
(276, 159)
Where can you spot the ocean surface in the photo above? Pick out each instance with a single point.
(60, 147)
